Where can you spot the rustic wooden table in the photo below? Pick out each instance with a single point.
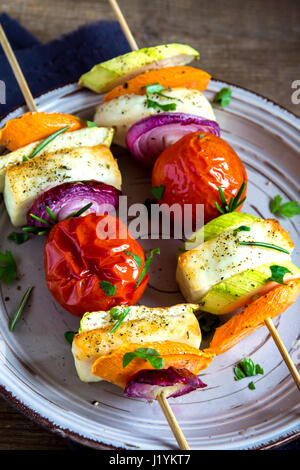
(252, 43)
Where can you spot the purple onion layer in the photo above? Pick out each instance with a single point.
(150, 136)
(67, 198)
(149, 383)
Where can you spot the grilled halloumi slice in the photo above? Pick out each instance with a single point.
(126, 110)
(24, 182)
(222, 257)
(142, 324)
(87, 137)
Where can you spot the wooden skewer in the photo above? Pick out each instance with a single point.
(124, 25)
(161, 398)
(178, 434)
(17, 71)
(283, 351)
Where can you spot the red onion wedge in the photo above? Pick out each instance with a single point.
(147, 138)
(68, 198)
(149, 383)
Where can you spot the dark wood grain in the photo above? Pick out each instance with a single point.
(252, 43)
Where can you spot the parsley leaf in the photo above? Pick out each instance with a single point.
(251, 386)
(8, 267)
(288, 209)
(158, 191)
(118, 315)
(109, 289)
(18, 237)
(164, 107)
(157, 88)
(147, 262)
(151, 355)
(278, 273)
(136, 258)
(154, 88)
(91, 124)
(243, 228)
(69, 336)
(275, 203)
(223, 97)
(246, 368)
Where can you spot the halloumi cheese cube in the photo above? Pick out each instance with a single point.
(222, 257)
(26, 181)
(87, 137)
(141, 325)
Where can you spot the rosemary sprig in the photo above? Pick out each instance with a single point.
(51, 215)
(80, 211)
(45, 142)
(39, 219)
(234, 203)
(20, 308)
(266, 245)
(54, 220)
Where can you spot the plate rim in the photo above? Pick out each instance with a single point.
(66, 433)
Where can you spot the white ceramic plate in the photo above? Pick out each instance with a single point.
(36, 366)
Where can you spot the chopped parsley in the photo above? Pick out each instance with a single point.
(118, 315)
(246, 368)
(8, 267)
(109, 289)
(243, 228)
(18, 237)
(158, 191)
(288, 209)
(278, 273)
(157, 88)
(251, 386)
(151, 355)
(91, 124)
(69, 336)
(223, 97)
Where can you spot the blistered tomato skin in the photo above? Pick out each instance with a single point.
(77, 260)
(192, 169)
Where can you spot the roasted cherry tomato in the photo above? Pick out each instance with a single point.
(93, 263)
(191, 171)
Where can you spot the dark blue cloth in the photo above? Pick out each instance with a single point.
(58, 62)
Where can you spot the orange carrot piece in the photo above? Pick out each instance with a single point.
(178, 355)
(169, 77)
(31, 127)
(245, 322)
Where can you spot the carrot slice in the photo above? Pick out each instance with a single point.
(169, 77)
(31, 127)
(252, 317)
(179, 355)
